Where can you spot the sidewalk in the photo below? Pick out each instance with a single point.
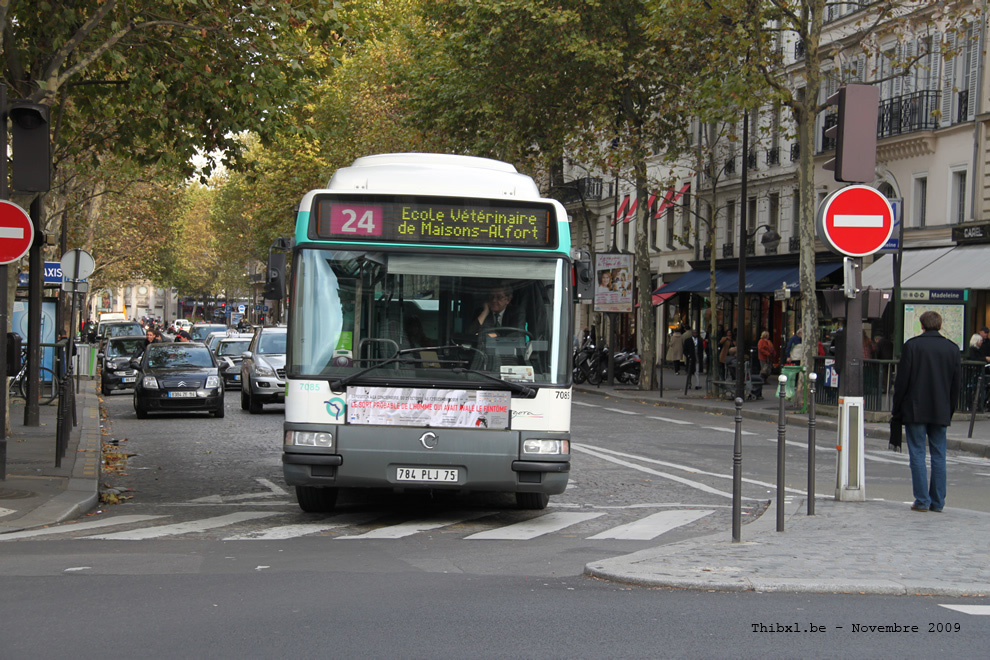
(37, 493)
(846, 547)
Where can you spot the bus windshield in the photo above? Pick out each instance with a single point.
(440, 318)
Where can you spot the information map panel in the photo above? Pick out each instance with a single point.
(449, 221)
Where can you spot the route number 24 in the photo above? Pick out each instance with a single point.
(365, 220)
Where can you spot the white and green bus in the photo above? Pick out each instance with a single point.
(400, 372)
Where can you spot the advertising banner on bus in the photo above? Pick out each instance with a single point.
(404, 406)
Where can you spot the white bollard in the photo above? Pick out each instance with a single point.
(850, 478)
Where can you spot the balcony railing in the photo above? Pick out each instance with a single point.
(751, 161)
(799, 50)
(773, 156)
(908, 113)
(795, 151)
(794, 244)
(730, 165)
(962, 112)
(728, 250)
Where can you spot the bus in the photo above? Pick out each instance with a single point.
(397, 375)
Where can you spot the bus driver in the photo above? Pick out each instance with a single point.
(497, 313)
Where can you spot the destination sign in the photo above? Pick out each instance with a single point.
(449, 221)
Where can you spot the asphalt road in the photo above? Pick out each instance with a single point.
(211, 556)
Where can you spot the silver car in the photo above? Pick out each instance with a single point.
(263, 370)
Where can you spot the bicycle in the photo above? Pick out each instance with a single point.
(48, 383)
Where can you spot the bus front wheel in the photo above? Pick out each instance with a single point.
(532, 501)
(314, 499)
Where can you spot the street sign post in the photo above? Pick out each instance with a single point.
(77, 258)
(855, 221)
(16, 232)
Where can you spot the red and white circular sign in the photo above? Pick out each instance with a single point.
(16, 232)
(855, 221)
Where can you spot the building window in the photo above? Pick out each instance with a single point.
(920, 201)
(774, 219)
(671, 218)
(957, 210)
(730, 220)
(796, 213)
(751, 223)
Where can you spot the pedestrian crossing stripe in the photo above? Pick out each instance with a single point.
(650, 527)
(188, 527)
(976, 610)
(530, 529)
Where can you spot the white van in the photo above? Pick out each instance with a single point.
(109, 317)
(182, 324)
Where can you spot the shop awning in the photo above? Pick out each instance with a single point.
(960, 267)
(760, 279)
(880, 274)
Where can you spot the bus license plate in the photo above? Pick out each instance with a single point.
(181, 395)
(425, 474)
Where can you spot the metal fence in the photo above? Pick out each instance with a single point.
(878, 385)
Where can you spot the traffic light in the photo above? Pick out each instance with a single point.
(855, 133)
(583, 278)
(275, 282)
(30, 147)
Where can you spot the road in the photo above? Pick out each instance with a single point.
(210, 555)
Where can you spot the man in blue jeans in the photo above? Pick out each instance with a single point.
(926, 391)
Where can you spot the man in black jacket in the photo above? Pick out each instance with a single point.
(926, 390)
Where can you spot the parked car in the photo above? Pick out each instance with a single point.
(118, 372)
(263, 370)
(200, 331)
(228, 352)
(176, 377)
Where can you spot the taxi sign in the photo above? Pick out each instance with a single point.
(855, 221)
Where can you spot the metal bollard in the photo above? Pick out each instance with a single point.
(737, 475)
(781, 456)
(812, 379)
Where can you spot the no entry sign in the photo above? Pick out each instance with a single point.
(855, 221)
(16, 232)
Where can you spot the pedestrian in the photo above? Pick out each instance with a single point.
(764, 351)
(926, 391)
(693, 356)
(726, 346)
(675, 351)
(975, 344)
(985, 346)
(793, 342)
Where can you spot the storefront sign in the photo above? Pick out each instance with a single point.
(421, 407)
(963, 234)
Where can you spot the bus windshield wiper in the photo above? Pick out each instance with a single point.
(519, 388)
(400, 357)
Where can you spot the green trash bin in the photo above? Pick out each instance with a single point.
(790, 387)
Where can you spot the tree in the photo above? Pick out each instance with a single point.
(530, 80)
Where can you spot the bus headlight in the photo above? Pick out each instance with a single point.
(545, 446)
(309, 439)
